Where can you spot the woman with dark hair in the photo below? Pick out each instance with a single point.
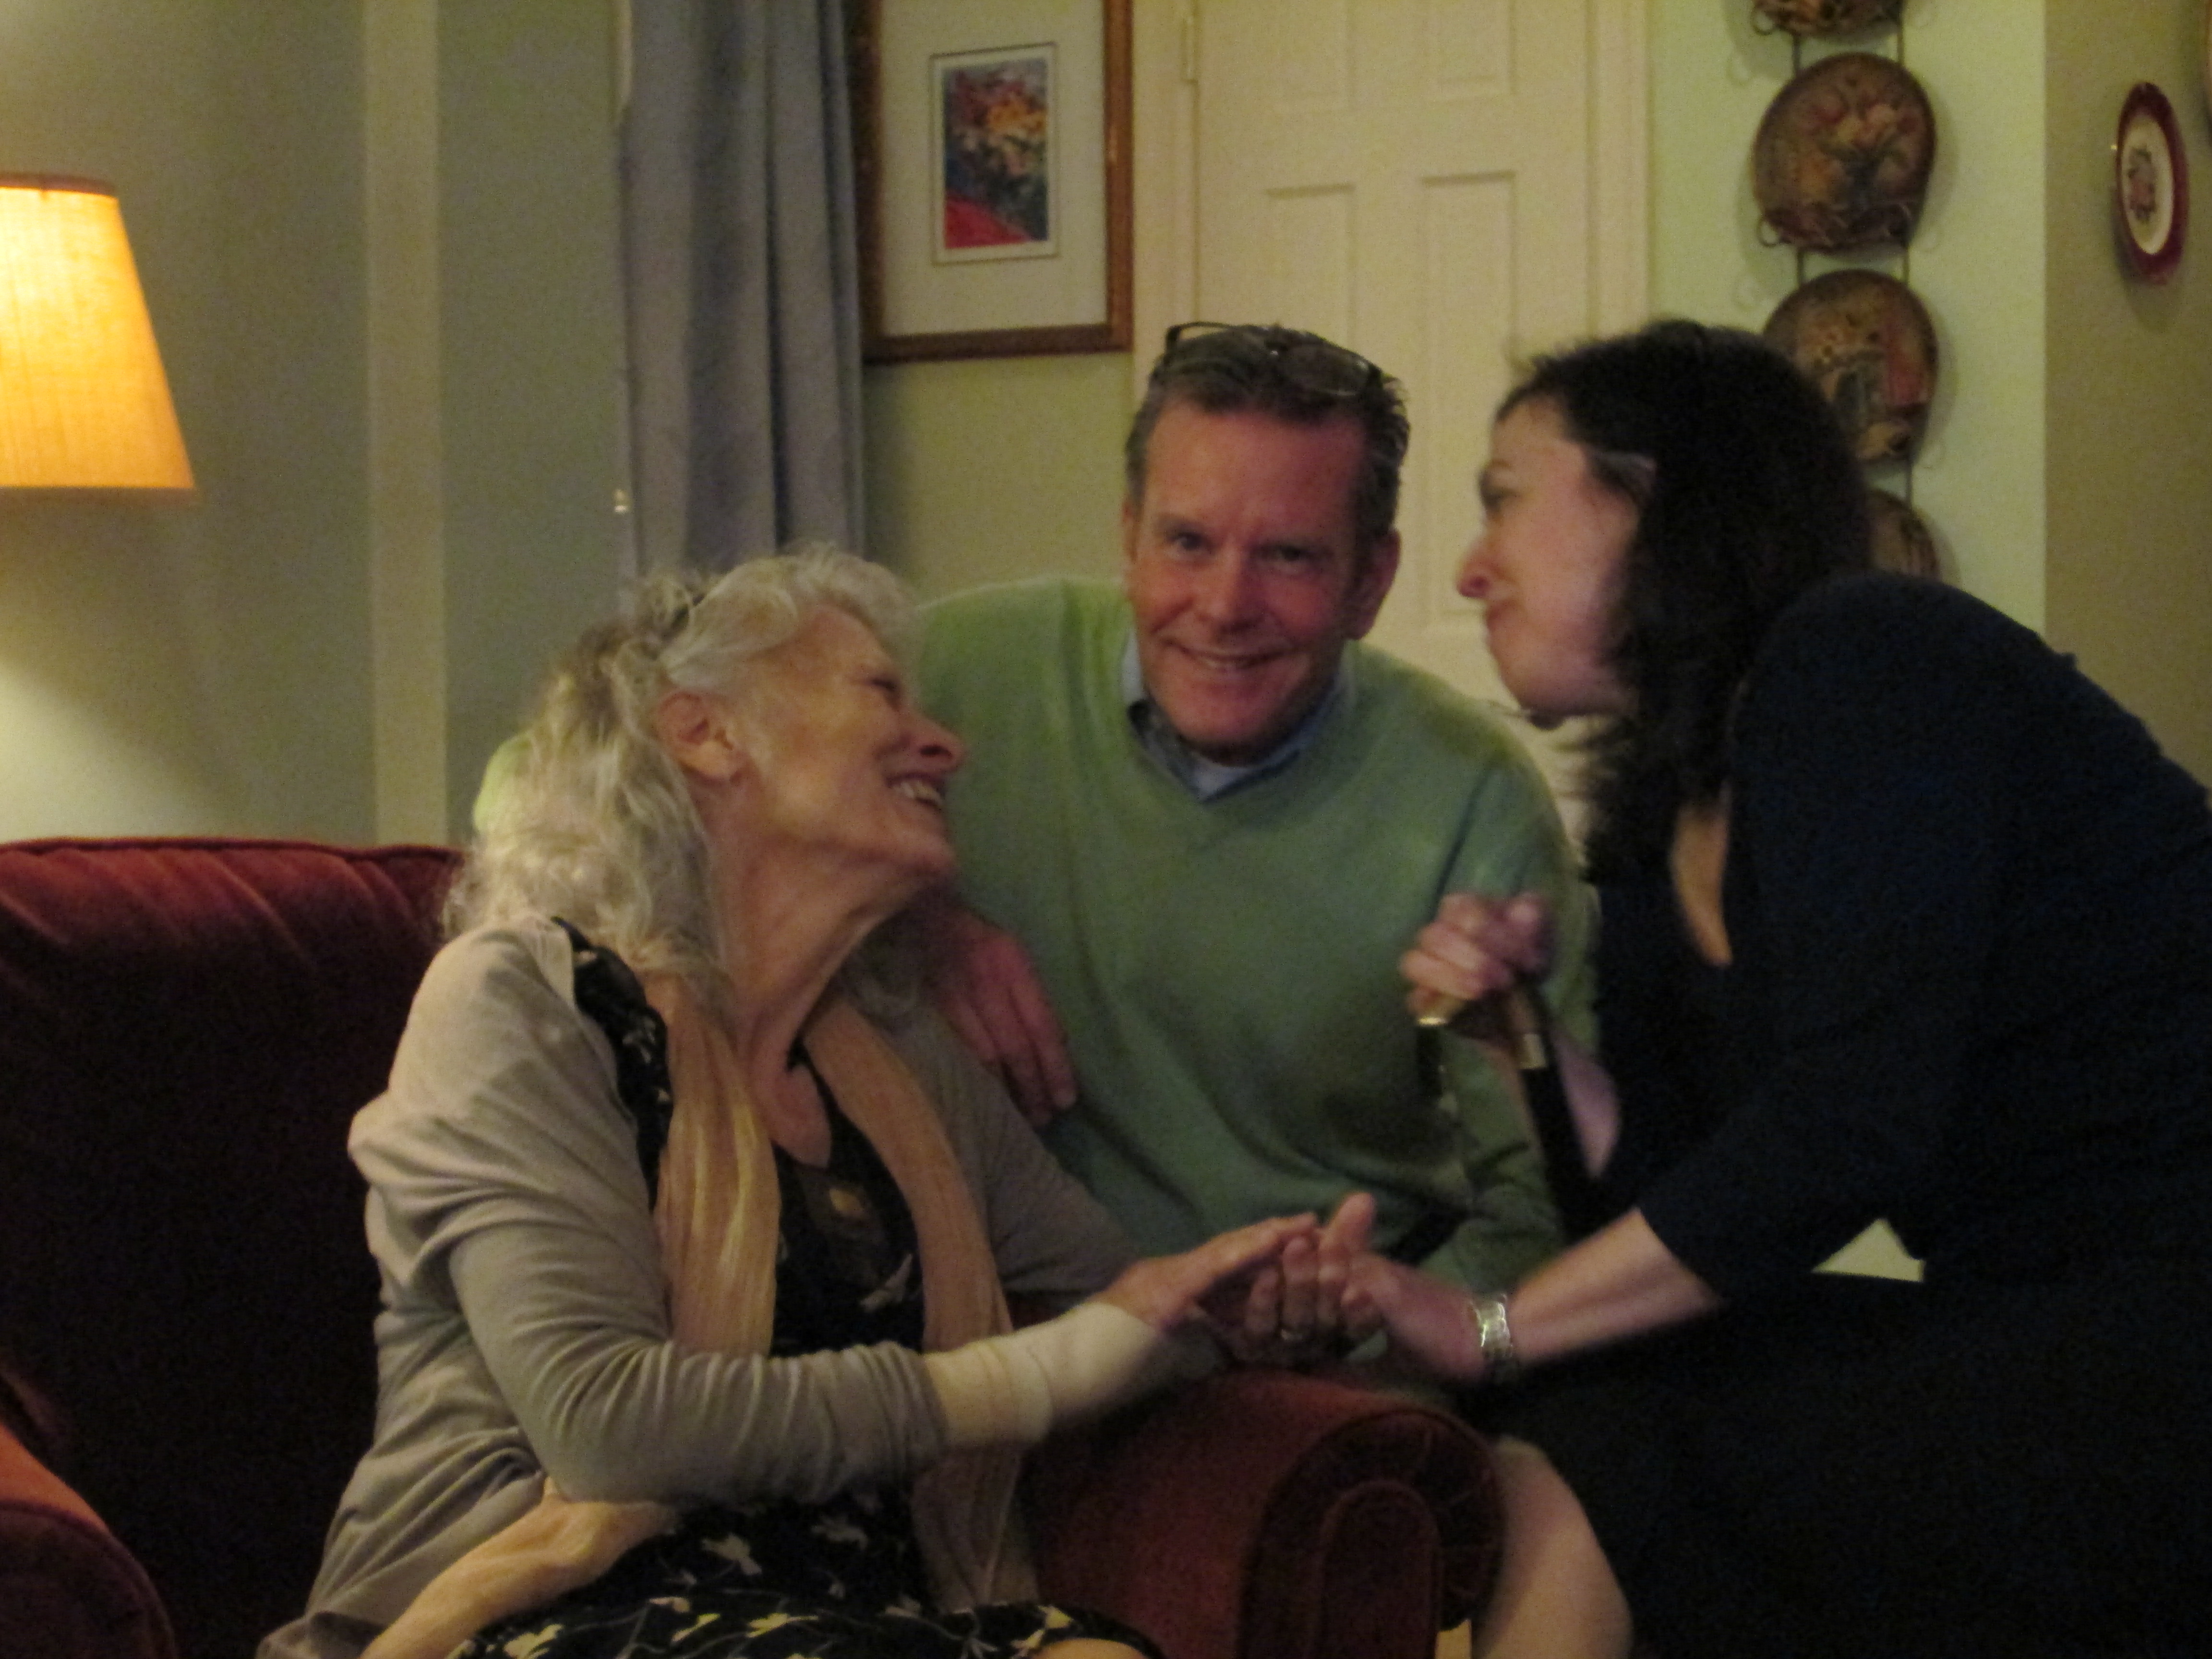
(1903, 919)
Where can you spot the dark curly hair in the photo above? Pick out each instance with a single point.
(1748, 494)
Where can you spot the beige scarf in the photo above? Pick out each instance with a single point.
(718, 1219)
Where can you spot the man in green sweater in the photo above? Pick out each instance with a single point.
(1200, 824)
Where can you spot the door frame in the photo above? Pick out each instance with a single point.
(1164, 169)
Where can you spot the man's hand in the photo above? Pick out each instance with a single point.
(984, 983)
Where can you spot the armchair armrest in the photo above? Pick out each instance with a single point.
(70, 1590)
(1267, 1514)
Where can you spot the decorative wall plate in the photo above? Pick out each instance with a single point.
(1866, 342)
(2150, 183)
(1843, 155)
(1902, 541)
(1823, 17)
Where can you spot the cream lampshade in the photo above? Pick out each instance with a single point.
(83, 403)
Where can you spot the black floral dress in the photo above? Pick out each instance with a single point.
(775, 1579)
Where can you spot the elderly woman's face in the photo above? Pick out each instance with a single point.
(848, 764)
(1547, 567)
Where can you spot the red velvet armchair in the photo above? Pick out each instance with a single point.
(186, 1371)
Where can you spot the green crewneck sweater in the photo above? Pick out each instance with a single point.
(1226, 971)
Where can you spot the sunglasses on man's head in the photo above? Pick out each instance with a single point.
(1307, 360)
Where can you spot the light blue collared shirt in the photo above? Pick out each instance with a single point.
(1206, 779)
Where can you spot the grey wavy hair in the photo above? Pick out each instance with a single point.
(590, 819)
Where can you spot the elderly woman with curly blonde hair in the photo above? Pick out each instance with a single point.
(693, 1241)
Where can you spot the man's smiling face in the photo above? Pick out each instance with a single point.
(1245, 573)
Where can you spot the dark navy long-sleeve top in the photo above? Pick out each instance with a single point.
(1969, 909)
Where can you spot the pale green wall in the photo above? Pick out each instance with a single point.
(2130, 407)
(2066, 472)
(532, 332)
(202, 668)
(945, 438)
(995, 468)
(206, 669)
(1976, 262)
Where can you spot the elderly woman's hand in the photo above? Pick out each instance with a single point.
(1122, 1343)
(1170, 1292)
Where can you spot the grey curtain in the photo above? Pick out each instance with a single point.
(743, 281)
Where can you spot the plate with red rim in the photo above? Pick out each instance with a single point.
(2150, 183)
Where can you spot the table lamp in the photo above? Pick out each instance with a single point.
(83, 401)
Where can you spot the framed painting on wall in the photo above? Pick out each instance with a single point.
(993, 170)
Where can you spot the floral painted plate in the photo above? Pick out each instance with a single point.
(1843, 155)
(2150, 183)
(1866, 342)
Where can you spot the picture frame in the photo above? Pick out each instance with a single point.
(992, 142)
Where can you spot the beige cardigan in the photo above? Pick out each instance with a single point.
(502, 1139)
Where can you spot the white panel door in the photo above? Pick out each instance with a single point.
(1444, 185)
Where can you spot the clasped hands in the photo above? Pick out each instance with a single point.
(1293, 1290)
(1297, 1291)
(1302, 1307)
